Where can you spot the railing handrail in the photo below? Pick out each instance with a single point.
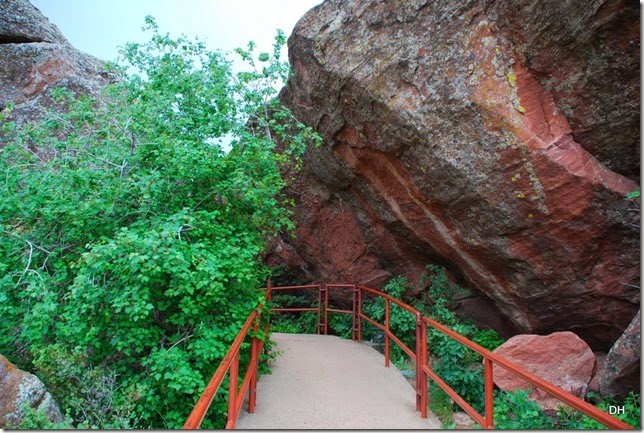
(550, 388)
(230, 364)
(420, 355)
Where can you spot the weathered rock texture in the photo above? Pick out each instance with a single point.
(496, 138)
(18, 390)
(35, 58)
(621, 372)
(600, 365)
(561, 358)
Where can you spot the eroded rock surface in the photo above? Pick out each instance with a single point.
(35, 58)
(622, 371)
(496, 138)
(561, 358)
(19, 390)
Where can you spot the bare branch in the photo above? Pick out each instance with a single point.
(183, 339)
(184, 228)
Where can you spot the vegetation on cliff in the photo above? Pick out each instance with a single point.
(457, 365)
(132, 227)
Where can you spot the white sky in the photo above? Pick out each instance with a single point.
(99, 27)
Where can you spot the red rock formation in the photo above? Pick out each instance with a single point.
(485, 136)
(35, 58)
(621, 372)
(560, 358)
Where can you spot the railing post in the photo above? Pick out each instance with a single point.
(419, 369)
(254, 359)
(386, 332)
(354, 328)
(359, 314)
(232, 391)
(423, 358)
(326, 310)
(321, 289)
(489, 395)
(269, 298)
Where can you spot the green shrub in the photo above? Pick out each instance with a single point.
(33, 419)
(457, 365)
(88, 393)
(293, 322)
(131, 241)
(441, 405)
(570, 419)
(341, 325)
(515, 411)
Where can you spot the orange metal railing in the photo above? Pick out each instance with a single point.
(420, 355)
(489, 359)
(230, 365)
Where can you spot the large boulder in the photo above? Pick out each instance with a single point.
(20, 390)
(499, 139)
(35, 58)
(561, 358)
(622, 371)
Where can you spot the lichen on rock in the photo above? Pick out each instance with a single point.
(20, 390)
(429, 110)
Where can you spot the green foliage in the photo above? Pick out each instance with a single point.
(131, 240)
(296, 322)
(515, 411)
(89, 393)
(34, 419)
(441, 405)
(570, 419)
(488, 338)
(459, 366)
(341, 325)
(633, 194)
(401, 322)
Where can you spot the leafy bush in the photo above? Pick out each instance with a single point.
(341, 325)
(34, 419)
(570, 419)
(487, 338)
(293, 322)
(131, 240)
(457, 365)
(515, 411)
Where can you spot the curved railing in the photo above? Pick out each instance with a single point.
(419, 355)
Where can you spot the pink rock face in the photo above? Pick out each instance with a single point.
(494, 138)
(561, 358)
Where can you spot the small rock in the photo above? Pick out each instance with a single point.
(600, 358)
(561, 358)
(463, 421)
(19, 389)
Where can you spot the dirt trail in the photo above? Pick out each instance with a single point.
(326, 382)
